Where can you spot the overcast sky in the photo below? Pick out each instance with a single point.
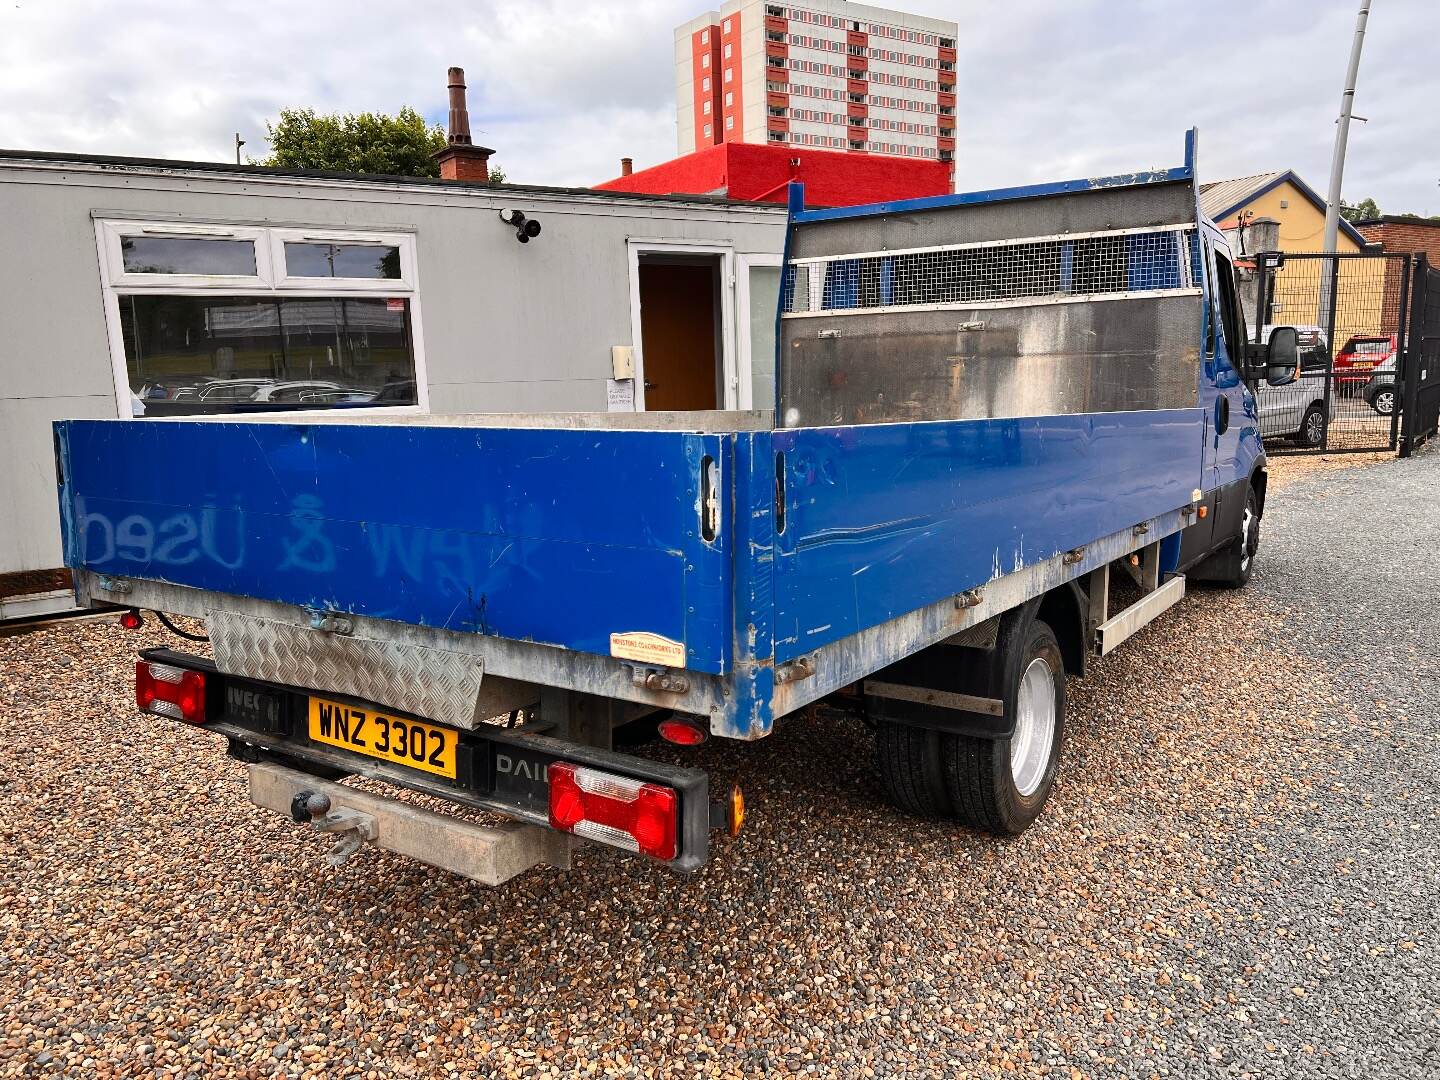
(1049, 89)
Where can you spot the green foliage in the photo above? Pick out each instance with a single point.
(1364, 210)
(401, 145)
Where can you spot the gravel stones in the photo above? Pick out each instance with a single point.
(1235, 876)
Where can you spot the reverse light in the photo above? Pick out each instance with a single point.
(682, 731)
(614, 810)
(170, 691)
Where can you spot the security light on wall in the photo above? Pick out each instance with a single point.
(525, 228)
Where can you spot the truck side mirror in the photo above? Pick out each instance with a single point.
(1282, 356)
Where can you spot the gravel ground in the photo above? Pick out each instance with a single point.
(1235, 877)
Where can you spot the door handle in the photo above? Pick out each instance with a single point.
(649, 385)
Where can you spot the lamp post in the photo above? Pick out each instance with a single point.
(1342, 133)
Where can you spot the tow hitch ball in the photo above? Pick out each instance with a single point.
(352, 828)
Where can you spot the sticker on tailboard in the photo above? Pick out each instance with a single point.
(648, 648)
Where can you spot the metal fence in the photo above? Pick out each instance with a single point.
(1420, 404)
(1351, 312)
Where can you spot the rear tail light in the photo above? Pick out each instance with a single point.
(170, 691)
(132, 619)
(614, 810)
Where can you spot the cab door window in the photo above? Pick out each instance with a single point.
(1227, 301)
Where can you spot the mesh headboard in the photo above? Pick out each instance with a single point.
(1087, 301)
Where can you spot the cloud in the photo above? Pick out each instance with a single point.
(1048, 89)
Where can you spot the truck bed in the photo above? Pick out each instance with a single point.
(558, 543)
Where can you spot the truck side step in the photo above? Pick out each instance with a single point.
(488, 854)
(1125, 624)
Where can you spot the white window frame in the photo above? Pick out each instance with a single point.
(729, 367)
(285, 280)
(112, 259)
(745, 397)
(270, 280)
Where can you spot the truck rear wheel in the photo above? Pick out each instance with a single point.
(912, 768)
(1000, 785)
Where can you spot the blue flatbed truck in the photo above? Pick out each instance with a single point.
(997, 415)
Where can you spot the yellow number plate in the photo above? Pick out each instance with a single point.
(389, 738)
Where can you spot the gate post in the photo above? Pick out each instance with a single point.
(1409, 355)
(1332, 286)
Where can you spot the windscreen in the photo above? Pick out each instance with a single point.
(1081, 302)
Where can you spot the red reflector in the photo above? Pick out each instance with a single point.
(615, 810)
(682, 732)
(170, 691)
(131, 619)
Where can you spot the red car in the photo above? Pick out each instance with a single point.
(1362, 353)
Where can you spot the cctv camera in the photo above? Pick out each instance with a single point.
(524, 227)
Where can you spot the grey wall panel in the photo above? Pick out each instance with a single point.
(29, 506)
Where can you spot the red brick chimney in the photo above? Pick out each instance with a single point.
(627, 166)
(461, 159)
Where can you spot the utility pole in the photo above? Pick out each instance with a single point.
(1342, 133)
(239, 142)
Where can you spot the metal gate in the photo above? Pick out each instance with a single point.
(1351, 312)
(1420, 401)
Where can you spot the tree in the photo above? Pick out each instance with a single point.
(1364, 210)
(400, 145)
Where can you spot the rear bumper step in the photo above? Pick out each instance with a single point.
(488, 854)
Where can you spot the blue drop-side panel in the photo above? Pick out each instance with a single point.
(882, 520)
(554, 536)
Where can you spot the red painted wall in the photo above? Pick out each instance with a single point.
(698, 51)
(736, 106)
(749, 172)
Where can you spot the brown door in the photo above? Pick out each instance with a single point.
(677, 330)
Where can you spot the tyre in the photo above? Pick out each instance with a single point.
(912, 772)
(1312, 426)
(1235, 562)
(1001, 785)
(1382, 400)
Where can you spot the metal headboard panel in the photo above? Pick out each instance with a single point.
(1086, 297)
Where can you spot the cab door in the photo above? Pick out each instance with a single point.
(1225, 402)
(1233, 417)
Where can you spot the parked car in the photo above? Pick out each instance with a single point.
(293, 393)
(1379, 392)
(1297, 410)
(1362, 354)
